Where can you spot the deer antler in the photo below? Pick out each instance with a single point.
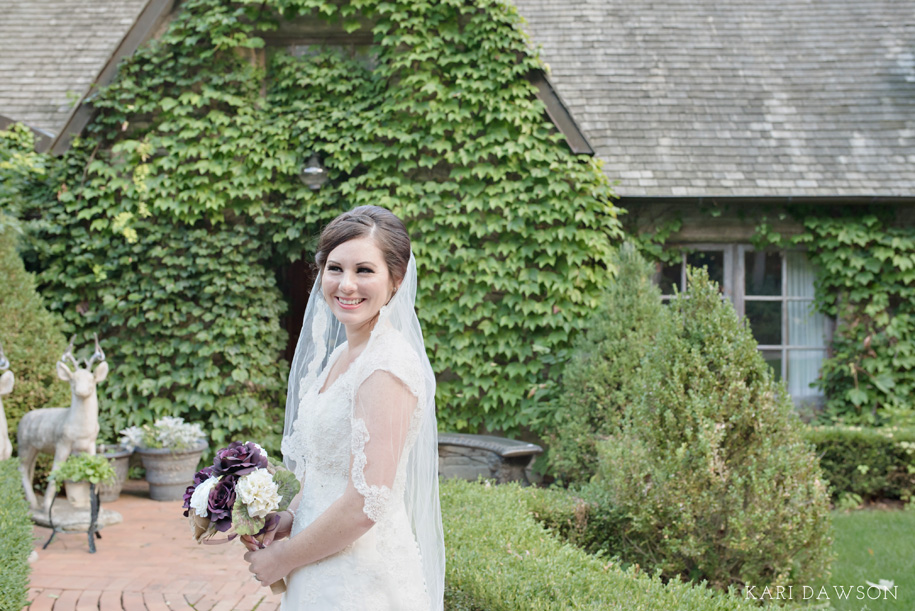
(4, 362)
(98, 355)
(68, 354)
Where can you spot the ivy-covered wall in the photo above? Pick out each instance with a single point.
(172, 216)
(866, 280)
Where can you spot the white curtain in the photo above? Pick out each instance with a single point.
(806, 327)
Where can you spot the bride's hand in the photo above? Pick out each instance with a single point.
(282, 530)
(267, 564)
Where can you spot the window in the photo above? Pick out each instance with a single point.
(774, 291)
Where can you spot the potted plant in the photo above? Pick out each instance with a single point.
(119, 457)
(77, 473)
(170, 449)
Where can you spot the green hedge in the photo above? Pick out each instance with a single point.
(31, 337)
(499, 558)
(16, 539)
(869, 462)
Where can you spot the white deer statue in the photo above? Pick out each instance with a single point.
(62, 430)
(6, 387)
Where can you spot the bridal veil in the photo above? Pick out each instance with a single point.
(321, 335)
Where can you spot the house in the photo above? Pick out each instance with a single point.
(713, 118)
(55, 55)
(716, 116)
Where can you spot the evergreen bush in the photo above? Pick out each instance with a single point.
(16, 538)
(710, 466)
(31, 337)
(598, 378)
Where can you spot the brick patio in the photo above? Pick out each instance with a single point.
(149, 562)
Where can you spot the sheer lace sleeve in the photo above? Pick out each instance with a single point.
(383, 417)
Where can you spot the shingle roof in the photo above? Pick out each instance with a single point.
(742, 98)
(52, 50)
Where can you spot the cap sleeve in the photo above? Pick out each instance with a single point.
(384, 415)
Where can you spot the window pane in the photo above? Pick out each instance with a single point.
(765, 319)
(763, 273)
(805, 326)
(803, 369)
(773, 358)
(668, 278)
(800, 275)
(713, 260)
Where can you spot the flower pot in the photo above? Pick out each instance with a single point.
(169, 473)
(78, 494)
(119, 456)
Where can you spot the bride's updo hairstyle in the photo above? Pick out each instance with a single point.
(380, 224)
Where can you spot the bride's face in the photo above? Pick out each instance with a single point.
(356, 282)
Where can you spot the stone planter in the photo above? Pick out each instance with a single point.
(78, 494)
(119, 456)
(170, 473)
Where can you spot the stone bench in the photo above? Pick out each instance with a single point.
(468, 457)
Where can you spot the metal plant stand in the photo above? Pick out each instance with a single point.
(93, 520)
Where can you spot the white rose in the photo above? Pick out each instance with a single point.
(201, 496)
(258, 492)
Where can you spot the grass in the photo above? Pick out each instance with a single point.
(871, 545)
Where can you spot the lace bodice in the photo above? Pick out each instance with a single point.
(349, 433)
(331, 429)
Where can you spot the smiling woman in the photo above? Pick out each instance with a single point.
(360, 433)
(356, 283)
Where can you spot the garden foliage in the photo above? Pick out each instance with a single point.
(16, 539)
(598, 380)
(500, 559)
(31, 337)
(94, 468)
(872, 463)
(866, 281)
(709, 468)
(174, 213)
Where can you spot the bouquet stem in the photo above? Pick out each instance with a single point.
(278, 587)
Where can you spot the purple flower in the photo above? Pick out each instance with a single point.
(239, 459)
(220, 503)
(199, 477)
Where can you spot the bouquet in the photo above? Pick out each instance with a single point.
(235, 494)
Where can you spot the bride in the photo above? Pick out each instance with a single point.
(360, 434)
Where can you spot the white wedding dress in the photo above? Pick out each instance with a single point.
(334, 438)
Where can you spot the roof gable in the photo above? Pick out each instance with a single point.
(738, 98)
(51, 51)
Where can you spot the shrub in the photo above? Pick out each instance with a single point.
(16, 542)
(499, 558)
(710, 466)
(604, 365)
(867, 462)
(31, 337)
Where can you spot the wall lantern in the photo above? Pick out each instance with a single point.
(313, 174)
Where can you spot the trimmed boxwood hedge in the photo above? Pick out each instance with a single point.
(15, 538)
(873, 463)
(499, 558)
